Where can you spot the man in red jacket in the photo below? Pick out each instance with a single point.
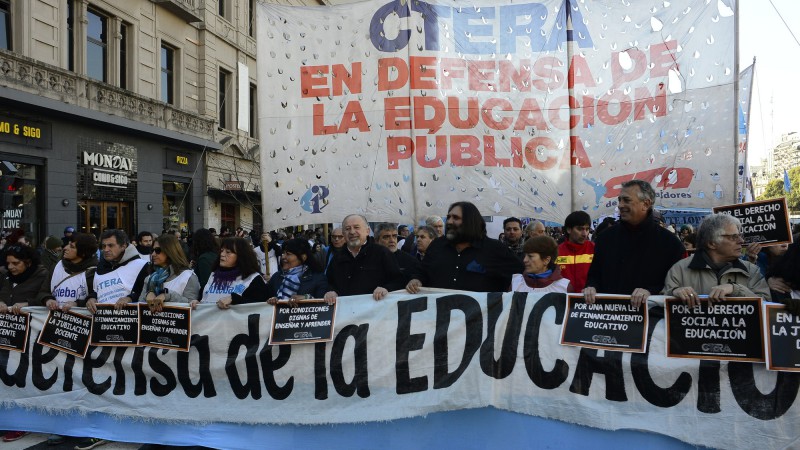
(576, 252)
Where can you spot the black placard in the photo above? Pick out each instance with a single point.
(765, 221)
(310, 321)
(67, 331)
(611, 323)
(14, 331)
(116, 327)
(731, 330)
(783, 339)
(171, 328)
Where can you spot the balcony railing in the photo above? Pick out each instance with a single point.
(188, 10)
(28, 75)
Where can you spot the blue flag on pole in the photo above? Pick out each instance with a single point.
(787, 187)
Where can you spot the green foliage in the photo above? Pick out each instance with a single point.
(775, 190)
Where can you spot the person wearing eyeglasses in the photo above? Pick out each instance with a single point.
(235, 278)
(171, 279)
(716, 269)
(337, 243)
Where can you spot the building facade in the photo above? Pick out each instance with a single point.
(136, 114)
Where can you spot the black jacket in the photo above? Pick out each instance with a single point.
(627, 257)
(410, 266)
(374, 266)
(485, 266)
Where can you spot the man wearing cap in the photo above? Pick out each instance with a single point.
(67, 236)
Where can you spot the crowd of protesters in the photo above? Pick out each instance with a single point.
(637, 255)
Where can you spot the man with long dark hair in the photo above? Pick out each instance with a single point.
(465, 258)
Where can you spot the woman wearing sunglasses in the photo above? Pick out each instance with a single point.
(236, 278)
(171, 279)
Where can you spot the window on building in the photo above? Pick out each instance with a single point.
(251, 18)
(224, 99)
(167, 74)
(5, 24)
(97, 46)
(223, 8)
(253, 111)
(123, 56)
(71, 35)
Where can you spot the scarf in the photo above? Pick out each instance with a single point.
(223, 278)
(291, 282)
(544, 274)
(157, 279)
(719, 269)
(23, 277)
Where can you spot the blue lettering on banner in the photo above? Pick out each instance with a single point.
(65, 292)
(239, 289)
(108, 283)
(474, 26)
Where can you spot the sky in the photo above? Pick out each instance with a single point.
(776, 93)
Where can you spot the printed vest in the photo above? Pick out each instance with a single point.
(118, 283)
(518, 285)
(71, 289)
(178, 284)
(211, 295)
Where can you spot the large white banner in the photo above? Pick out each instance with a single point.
(407, 356)
(395, 109)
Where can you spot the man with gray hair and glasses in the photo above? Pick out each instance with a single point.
(716, 269)
(633, 256)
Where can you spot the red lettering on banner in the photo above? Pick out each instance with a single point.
(397, 113)
(579, 73)
(683, 179)
(314, 80)
(387, 79)
(423, 72)
(421, 119)
(487, 113)
(353, 117)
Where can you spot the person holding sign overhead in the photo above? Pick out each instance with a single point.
(171, 279)
(300, 275)
(73, 276)
(235, 278)
(716, 269)
(542, 274)
(24, 279)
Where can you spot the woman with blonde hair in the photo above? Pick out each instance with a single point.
(171, 279)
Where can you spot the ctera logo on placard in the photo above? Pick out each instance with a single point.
(315, 199)
(600, 339)
(716, 348)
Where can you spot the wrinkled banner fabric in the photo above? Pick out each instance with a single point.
(396, 109)
(409, 356)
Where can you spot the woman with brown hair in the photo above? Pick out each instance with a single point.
(171, 280)
(20, 286)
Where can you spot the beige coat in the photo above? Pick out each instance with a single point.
(695, 272)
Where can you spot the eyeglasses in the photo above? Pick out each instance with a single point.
(157, 250)
(733, 237)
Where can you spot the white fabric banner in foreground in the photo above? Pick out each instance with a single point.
(395, 109)
(408, 356)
